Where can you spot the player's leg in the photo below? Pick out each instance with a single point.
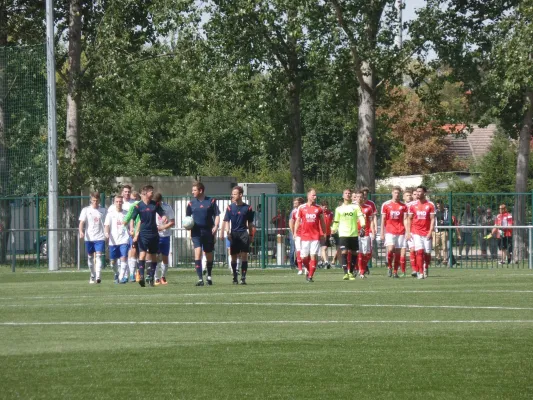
(99, 248)
(305, 250)
(412, 257)
(243, 253)
(164, 251)
(197, 244)
(114, 260)
(208, 244)
(298, 249)
(427, 255)
(235, 252)
(389, 245)
(122, 278)
(401, 246)
(142, 242)
(132, 259)
(314, 248)
(420, 255)
(89, 247)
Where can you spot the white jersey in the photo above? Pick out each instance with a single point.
(169, 213)
(118, 233)
(125, 206)
(94, 223)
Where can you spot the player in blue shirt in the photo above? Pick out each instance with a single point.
(146, 232)
(239, 216)
(206, 215)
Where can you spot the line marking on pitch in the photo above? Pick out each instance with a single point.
(280, 322)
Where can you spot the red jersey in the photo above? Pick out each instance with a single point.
(505, 219)
(309, 222)
(368, 213)
(421, 223)
(372, 205)
(294, 217)
(394, 214)
(328, 219)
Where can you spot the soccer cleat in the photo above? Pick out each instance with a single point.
(200, 283)
(414, 274)
(328, 265)
(389, 272)
(243, 281)
(320, 265)
(403, 275)
(157, 282)
(151, 282)
(362, 276)
(142, 282)
(124, 280)
(98, 280)
(300, 272)
(116, 278)
(425, 272)
(91, 280)
(209, 281)
(309, 279)
(420, 275)
(351, 277)
(395, 276)
(164, 281)
(132, 277)
(235, 281)
(346, 277)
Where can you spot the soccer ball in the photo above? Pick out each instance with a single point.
(187, 223)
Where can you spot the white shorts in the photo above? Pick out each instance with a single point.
(398, 241)
(422, 243)
(365, 245)
(410, 244)
(310, 247)
(297, 243)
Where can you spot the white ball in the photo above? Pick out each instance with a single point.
(187, 223)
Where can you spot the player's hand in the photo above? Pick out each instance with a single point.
(407, 236)
(333, 232)
(82, 235)
(132, 232)
(106, 235)
(160, 228)
(214, 230)
(429, 236)
(362, 232)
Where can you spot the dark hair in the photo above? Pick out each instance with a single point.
(158, 198)
(135, 195)
(408, 190)
(126, 187)
(300, 200)
(324, 203)
(238, 188)
(397, 188)
(365, 189)
(425, 189)
(146, 189)
(199, 186)
(95, 195)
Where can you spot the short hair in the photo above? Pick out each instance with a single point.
(349, 189)
(158, 198)
(439, 201)
(135, 195)
(399, 189)
(408, 190)
(311, 190)
(358, 191)
(425, 189)
(199, 186)
(238, 189)
(324, 203)
(300, 200)
(365, 189)
(146, 189)
(126, 187)
(117, 196)
(95, 195)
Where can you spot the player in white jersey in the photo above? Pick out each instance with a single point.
(163, 226)
(410, 197)
(91, 229)
(127, 199)
(117, 234)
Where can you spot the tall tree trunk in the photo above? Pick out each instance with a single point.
(72, 135)
(5, 210)
(522, 166)
(366, 131)
(295, 129)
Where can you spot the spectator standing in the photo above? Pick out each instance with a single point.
(489, 240)
(467, 218)
(480, 215)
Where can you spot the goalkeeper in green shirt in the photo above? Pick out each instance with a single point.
(346, 220)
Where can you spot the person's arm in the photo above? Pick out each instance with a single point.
(374, 225)
(81, 227)
(216, 212)
(291, 226)
(107, 228)
(335, 225)
(409, 221)
(383, 217)
(431, 226)
(323, 225)
(297, 223)
(250, 221)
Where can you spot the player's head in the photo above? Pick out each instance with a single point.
(324, 205)
(95, 199)
(502, 208)
(126, 192)
(479, 210)
(408, 195)
(365, 190)
(298, 202)
(421, 190)
(467, 207)
(118, 202)
(148, 192)
(488, 212)
(198, 189)
(347, 195)
(415, 194)
(396, 190)
(311, 196)
(440, 205)
(158, 197)
(236, 194)
(358, 197)
(135, 195)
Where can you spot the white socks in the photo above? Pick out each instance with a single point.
(98, 265)
(123, 268)
(90, 262)
(132, 263)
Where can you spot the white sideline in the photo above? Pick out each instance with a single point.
(270, 304)
(282, 322)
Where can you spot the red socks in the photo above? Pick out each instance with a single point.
(396, 262)
(420, 257)
(390, 257)
(412, 258)
(312, 268)
(299, 260)
(402, 263)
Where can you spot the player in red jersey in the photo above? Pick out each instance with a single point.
(311, 219)
(393, 216)
(328, 219)
(504, 236)
(410, 197)
(296, 235)
(420, 225)
(365, 242)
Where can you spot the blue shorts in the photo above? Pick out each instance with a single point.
(164, 246)
(97, 246)
(206, 242)
(118, 251)
(148, 244)
(228, 243)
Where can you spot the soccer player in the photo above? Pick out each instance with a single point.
(410, 199)
(117, 234)
(504, 236)
(146, 233)
(296, 234)
(127, 197)
(238, 225)
(393, 215)
(91, 229)
(163, 227)
(328, 219)
(345, 222)
(420, 225)
(311, 218)
(206, 215)
(132, 253)
(365, 241)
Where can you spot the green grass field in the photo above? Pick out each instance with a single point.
(461, 334)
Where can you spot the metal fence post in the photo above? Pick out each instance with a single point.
(530, 247)
(13, 252)
(38, 240)
(450, 231)
(264, 238)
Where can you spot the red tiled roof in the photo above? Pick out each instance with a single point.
(475, 145)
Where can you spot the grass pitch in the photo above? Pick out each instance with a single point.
(461, 334)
